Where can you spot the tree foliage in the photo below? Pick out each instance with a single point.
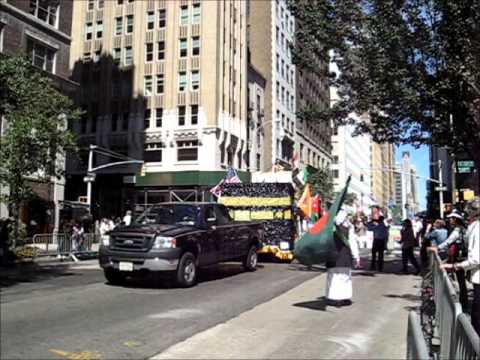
(35, 137)
(412, 66)
(321, 183)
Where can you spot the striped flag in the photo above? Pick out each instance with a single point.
(231, 177)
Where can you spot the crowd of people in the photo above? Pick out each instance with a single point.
(457, 242)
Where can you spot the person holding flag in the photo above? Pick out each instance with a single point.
(327, 242)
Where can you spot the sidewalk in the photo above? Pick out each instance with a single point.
(298, 324)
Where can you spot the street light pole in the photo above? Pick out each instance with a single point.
(89, 183)
(440, 185)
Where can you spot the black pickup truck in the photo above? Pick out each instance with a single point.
(179, 237)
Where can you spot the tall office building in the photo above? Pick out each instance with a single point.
(383, 162)
(164, 82)
(313, 138)
(272, 30)
(41, 30)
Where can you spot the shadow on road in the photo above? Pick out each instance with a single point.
(31, 273)
(409, 297)
(166, 281)
(318, 305)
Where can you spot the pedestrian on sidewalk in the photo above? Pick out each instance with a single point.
(473, 259)
(77, 237)
(436, 235)
(380, 235)
(127, 219)
(339, 275)
(455, 245)
(409, 242)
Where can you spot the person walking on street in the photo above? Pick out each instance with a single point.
(454, 245)
(473, 260)
(380, 235)
(127, 219)
(408, 241)
(339, 276)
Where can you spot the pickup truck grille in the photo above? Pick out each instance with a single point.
(131, 242)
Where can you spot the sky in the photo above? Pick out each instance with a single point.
(421, 160)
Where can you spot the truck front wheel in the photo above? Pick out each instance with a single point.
(114, 277)
(187, 270)
(250, 261)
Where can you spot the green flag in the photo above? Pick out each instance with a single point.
(317, 245)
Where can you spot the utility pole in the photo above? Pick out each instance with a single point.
(440, 188)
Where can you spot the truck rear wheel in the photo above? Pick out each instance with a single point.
(250, 261)
(114, 277)
(187, 270)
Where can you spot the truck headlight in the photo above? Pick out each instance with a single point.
(105, 240)
(162, 242)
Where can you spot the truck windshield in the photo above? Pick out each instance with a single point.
(181, 214)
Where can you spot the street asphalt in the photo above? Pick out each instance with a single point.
(56, 312)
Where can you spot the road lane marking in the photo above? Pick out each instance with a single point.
(177, 314)
(82, 355)
(132, 344)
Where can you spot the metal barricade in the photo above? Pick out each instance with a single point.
(46, 244)
(447, 308)
(416, 345)
(467, 341)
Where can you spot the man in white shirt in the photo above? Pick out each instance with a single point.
(473, 260)
(127, 219)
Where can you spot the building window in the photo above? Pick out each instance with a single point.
(187, 150)
(114, 122)
(278, 91)
(161, 50)
(184, 15)
(153, 152)
(128, 56)
(194, 115)
(158, 117)
(129, 27)
(90, 5)
(119, 2)
(88, 31)
(99, 29)
(160, 83)
(149, 52)
(96, 56)
(277, 34)
(150, 20)
(195, 80)
(148, 85)
(181, 115)
(335, 174)
(100, 4)
(118, 26)
(117, 56)
(41, 56)
(196, 46)
(162, 18)
(196, 13)
(125, 121)
(182, 81)
(183, 47)
(45, 10)
(147, 115)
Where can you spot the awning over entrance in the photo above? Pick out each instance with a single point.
(186, 178)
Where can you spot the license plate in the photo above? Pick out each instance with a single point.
(125, 266)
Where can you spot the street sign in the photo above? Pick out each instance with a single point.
(88, 179)
(441, 188)
(465, 166)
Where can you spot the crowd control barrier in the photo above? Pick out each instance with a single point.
(416, 344)
(60, 244)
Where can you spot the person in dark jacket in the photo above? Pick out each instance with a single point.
(409, 241)
(380, 237)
